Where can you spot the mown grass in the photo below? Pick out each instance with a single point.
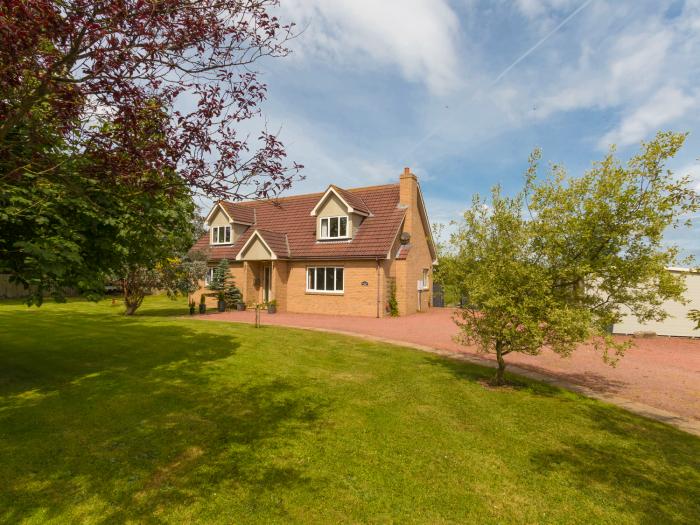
(107, 419)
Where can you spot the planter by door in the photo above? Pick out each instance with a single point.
(271, 308)
(202, 308)
(221, 305)
(240, 307)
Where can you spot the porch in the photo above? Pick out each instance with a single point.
(264, 281)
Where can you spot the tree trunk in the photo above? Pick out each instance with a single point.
(131, 307)
(500, 372)
(132, 299)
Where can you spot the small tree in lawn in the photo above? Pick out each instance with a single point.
(173, 275)
(558, 263)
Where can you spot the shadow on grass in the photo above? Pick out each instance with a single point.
(597, 382)
(644, 466)
(484, 374)
(164, 308)
(73, 345)
(136, 418)
(650, 468)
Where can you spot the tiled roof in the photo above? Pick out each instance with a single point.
(291, 216)
(238, 213)
(276, 241)
(353, 200)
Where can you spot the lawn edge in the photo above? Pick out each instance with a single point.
(689, 425)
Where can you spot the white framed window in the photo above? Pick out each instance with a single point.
(209, 277)
(334, 227)
(325, 279)
(424, 281)
(221, 235)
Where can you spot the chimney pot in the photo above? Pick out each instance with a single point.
(406, 171)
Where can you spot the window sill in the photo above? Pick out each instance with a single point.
(334, 239)
(320, 292)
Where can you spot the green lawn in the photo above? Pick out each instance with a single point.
(157, 419)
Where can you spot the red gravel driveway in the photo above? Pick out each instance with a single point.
(660, 372)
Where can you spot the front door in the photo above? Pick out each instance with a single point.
(266, 284)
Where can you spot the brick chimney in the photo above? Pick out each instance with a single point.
(408, 196)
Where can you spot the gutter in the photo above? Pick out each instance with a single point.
(379, 285)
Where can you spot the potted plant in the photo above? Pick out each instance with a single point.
(272, 307)
(240, 306)
(193, 306)
(203, 304)
(221, 304)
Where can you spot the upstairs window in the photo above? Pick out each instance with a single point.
(221, 235)
(327, 279)
(334, 227)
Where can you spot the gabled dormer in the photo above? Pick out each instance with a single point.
(227, 222)
(339, 214)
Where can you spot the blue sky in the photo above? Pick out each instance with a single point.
(461, 91)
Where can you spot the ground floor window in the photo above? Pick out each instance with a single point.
(425, 283)
(209, 277)
(324, 279)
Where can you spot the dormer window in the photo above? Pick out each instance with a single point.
(221, 235)
(334, 227)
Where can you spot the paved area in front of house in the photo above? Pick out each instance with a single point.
(659, 376)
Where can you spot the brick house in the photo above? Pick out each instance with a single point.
(337, 252)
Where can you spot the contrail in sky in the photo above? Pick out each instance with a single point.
(542, 41)
(510, 67)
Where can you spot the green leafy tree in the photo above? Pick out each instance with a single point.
(67, 221)
(557, 264)
(92, 127)
(174, 276)
(152, 242)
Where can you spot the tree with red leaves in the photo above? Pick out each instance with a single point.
(106, 60)
(108, 99)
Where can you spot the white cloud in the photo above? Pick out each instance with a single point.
(632, 65)
(644, 70)
(693, 170)
(417, 36)
(665, 106)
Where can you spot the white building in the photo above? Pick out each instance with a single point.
(677, 324)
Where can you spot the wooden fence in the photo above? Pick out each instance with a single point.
(9, 290)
